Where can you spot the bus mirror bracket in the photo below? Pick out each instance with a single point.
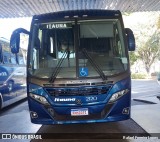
(15, 39)
(130, 39)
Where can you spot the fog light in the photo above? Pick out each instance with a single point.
(51, 112)
(125, 110)
(33, 114)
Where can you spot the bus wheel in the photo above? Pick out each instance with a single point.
(10, 86)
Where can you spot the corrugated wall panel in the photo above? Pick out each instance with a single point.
(25, 8)
(7, 9)
(154, 6)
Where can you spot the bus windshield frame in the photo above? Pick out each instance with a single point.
(50, 40)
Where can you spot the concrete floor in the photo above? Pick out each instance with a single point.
(16, 119)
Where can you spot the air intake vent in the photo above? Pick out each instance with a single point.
(78, 91)
(76, 84)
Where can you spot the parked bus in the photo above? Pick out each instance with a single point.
(12, 74)
(78, 67)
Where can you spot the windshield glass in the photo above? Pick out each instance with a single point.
(103, 42)
(99, 50)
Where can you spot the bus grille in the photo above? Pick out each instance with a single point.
(94, 116)
(78, 91)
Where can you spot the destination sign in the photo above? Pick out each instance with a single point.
(56, 26)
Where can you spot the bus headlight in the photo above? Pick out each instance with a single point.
(40, 99)
(117, 95)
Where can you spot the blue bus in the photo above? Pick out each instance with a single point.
(78, 67)
(12, 74)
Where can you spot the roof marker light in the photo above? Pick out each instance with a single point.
(85, 16)
(66, 16)
(75, 16)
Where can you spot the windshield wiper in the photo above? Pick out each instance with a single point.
(57, 68)
(94, 64)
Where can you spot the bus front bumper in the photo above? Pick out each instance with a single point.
(117, 111)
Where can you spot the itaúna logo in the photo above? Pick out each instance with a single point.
(65, 99)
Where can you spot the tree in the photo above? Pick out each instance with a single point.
(149, 51)
(133, 57)
(146, 28)
(158, 23)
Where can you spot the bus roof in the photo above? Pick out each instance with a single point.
(78, 13)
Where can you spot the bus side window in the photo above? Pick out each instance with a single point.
(5, 59)
(13, 60)
(21, 62)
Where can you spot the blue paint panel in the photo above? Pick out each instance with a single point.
(99, 106)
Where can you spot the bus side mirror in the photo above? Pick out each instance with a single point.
(15, 42)
(15, 39)
(130, 39)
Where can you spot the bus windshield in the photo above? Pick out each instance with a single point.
(57, 49)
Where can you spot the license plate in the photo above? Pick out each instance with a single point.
(79, 112)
